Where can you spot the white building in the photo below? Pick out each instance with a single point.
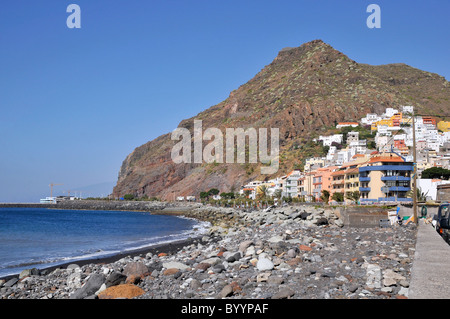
(290, 186)
(370, 119)
(328, 140)
(429, 186)
(359, 146)
(389, 112)
(347, 124)
(314, 161)
(344, 156)
(408, 109)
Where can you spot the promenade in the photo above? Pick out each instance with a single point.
(431, 265)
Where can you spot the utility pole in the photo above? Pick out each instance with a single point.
(415, 171)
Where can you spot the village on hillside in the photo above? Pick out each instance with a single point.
(367, 173)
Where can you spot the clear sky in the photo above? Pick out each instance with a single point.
(75, 102)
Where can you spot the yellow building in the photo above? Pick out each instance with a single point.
(444, 126)
(385, 177)
(388, 122)
(394, 120)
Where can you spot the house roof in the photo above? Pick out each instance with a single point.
(351, 170)
(386, 158)
(337, 173)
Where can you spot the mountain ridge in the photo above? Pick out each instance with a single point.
(304, 91)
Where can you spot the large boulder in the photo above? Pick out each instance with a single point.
(93, 284)
(127, 291)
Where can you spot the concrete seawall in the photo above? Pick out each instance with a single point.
(108, 205)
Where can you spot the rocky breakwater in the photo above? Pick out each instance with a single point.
(291, 252)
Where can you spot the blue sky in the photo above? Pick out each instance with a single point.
(75, 102)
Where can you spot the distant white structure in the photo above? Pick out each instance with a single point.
(48, 200)
(346, 124)
(314, 161)
(429, 186)
(389, 112)
(328, 140)
(370, 119)
(408, 109)
(290, 186)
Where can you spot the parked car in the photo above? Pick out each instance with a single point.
(443, 221)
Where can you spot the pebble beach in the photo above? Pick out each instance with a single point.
(293, 252)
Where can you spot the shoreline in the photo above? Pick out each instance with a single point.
(282, 253)
(168, 248)
(171, 247)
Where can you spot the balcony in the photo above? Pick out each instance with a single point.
(364, 189)
(399, 189)
(291, 184)
(386, 168)
(395, 178)
(364, 179)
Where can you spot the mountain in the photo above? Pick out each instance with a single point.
(303, 92)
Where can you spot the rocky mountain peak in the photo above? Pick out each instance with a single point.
(304, 91)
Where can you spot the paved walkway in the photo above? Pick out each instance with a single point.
(431, 265)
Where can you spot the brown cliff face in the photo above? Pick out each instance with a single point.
(303, 92)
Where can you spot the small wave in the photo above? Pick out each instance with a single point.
(197, 229)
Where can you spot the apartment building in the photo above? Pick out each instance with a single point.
(385, 177)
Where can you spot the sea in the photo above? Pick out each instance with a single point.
(41, 238)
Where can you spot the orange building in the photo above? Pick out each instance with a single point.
(429, 120)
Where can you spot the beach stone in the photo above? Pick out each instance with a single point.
(90, 287)
(284, 293)
(404, 291)
(373, 276)
(212, 261)
(250, 251)
(203, 266)
(133, 279)
(304, 248)
(73, 281)
(29, 272)
(304, 215)
(244, 245)
(218, 268)
(102, 288)
(72, 267)
(225, 292)
(321, 221)
(170, 271)
(264, 264)
(392, 275)
(127, 291)
(136, 269)
(175, 264)
(275, 280)
(155, 273)
(115, 278)
(195, 284)
(11, 282)
(275, 239)
(292, 253)
(232, 256)
(263, 277)
(388, 282)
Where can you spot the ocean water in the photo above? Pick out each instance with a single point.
(41, 238)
